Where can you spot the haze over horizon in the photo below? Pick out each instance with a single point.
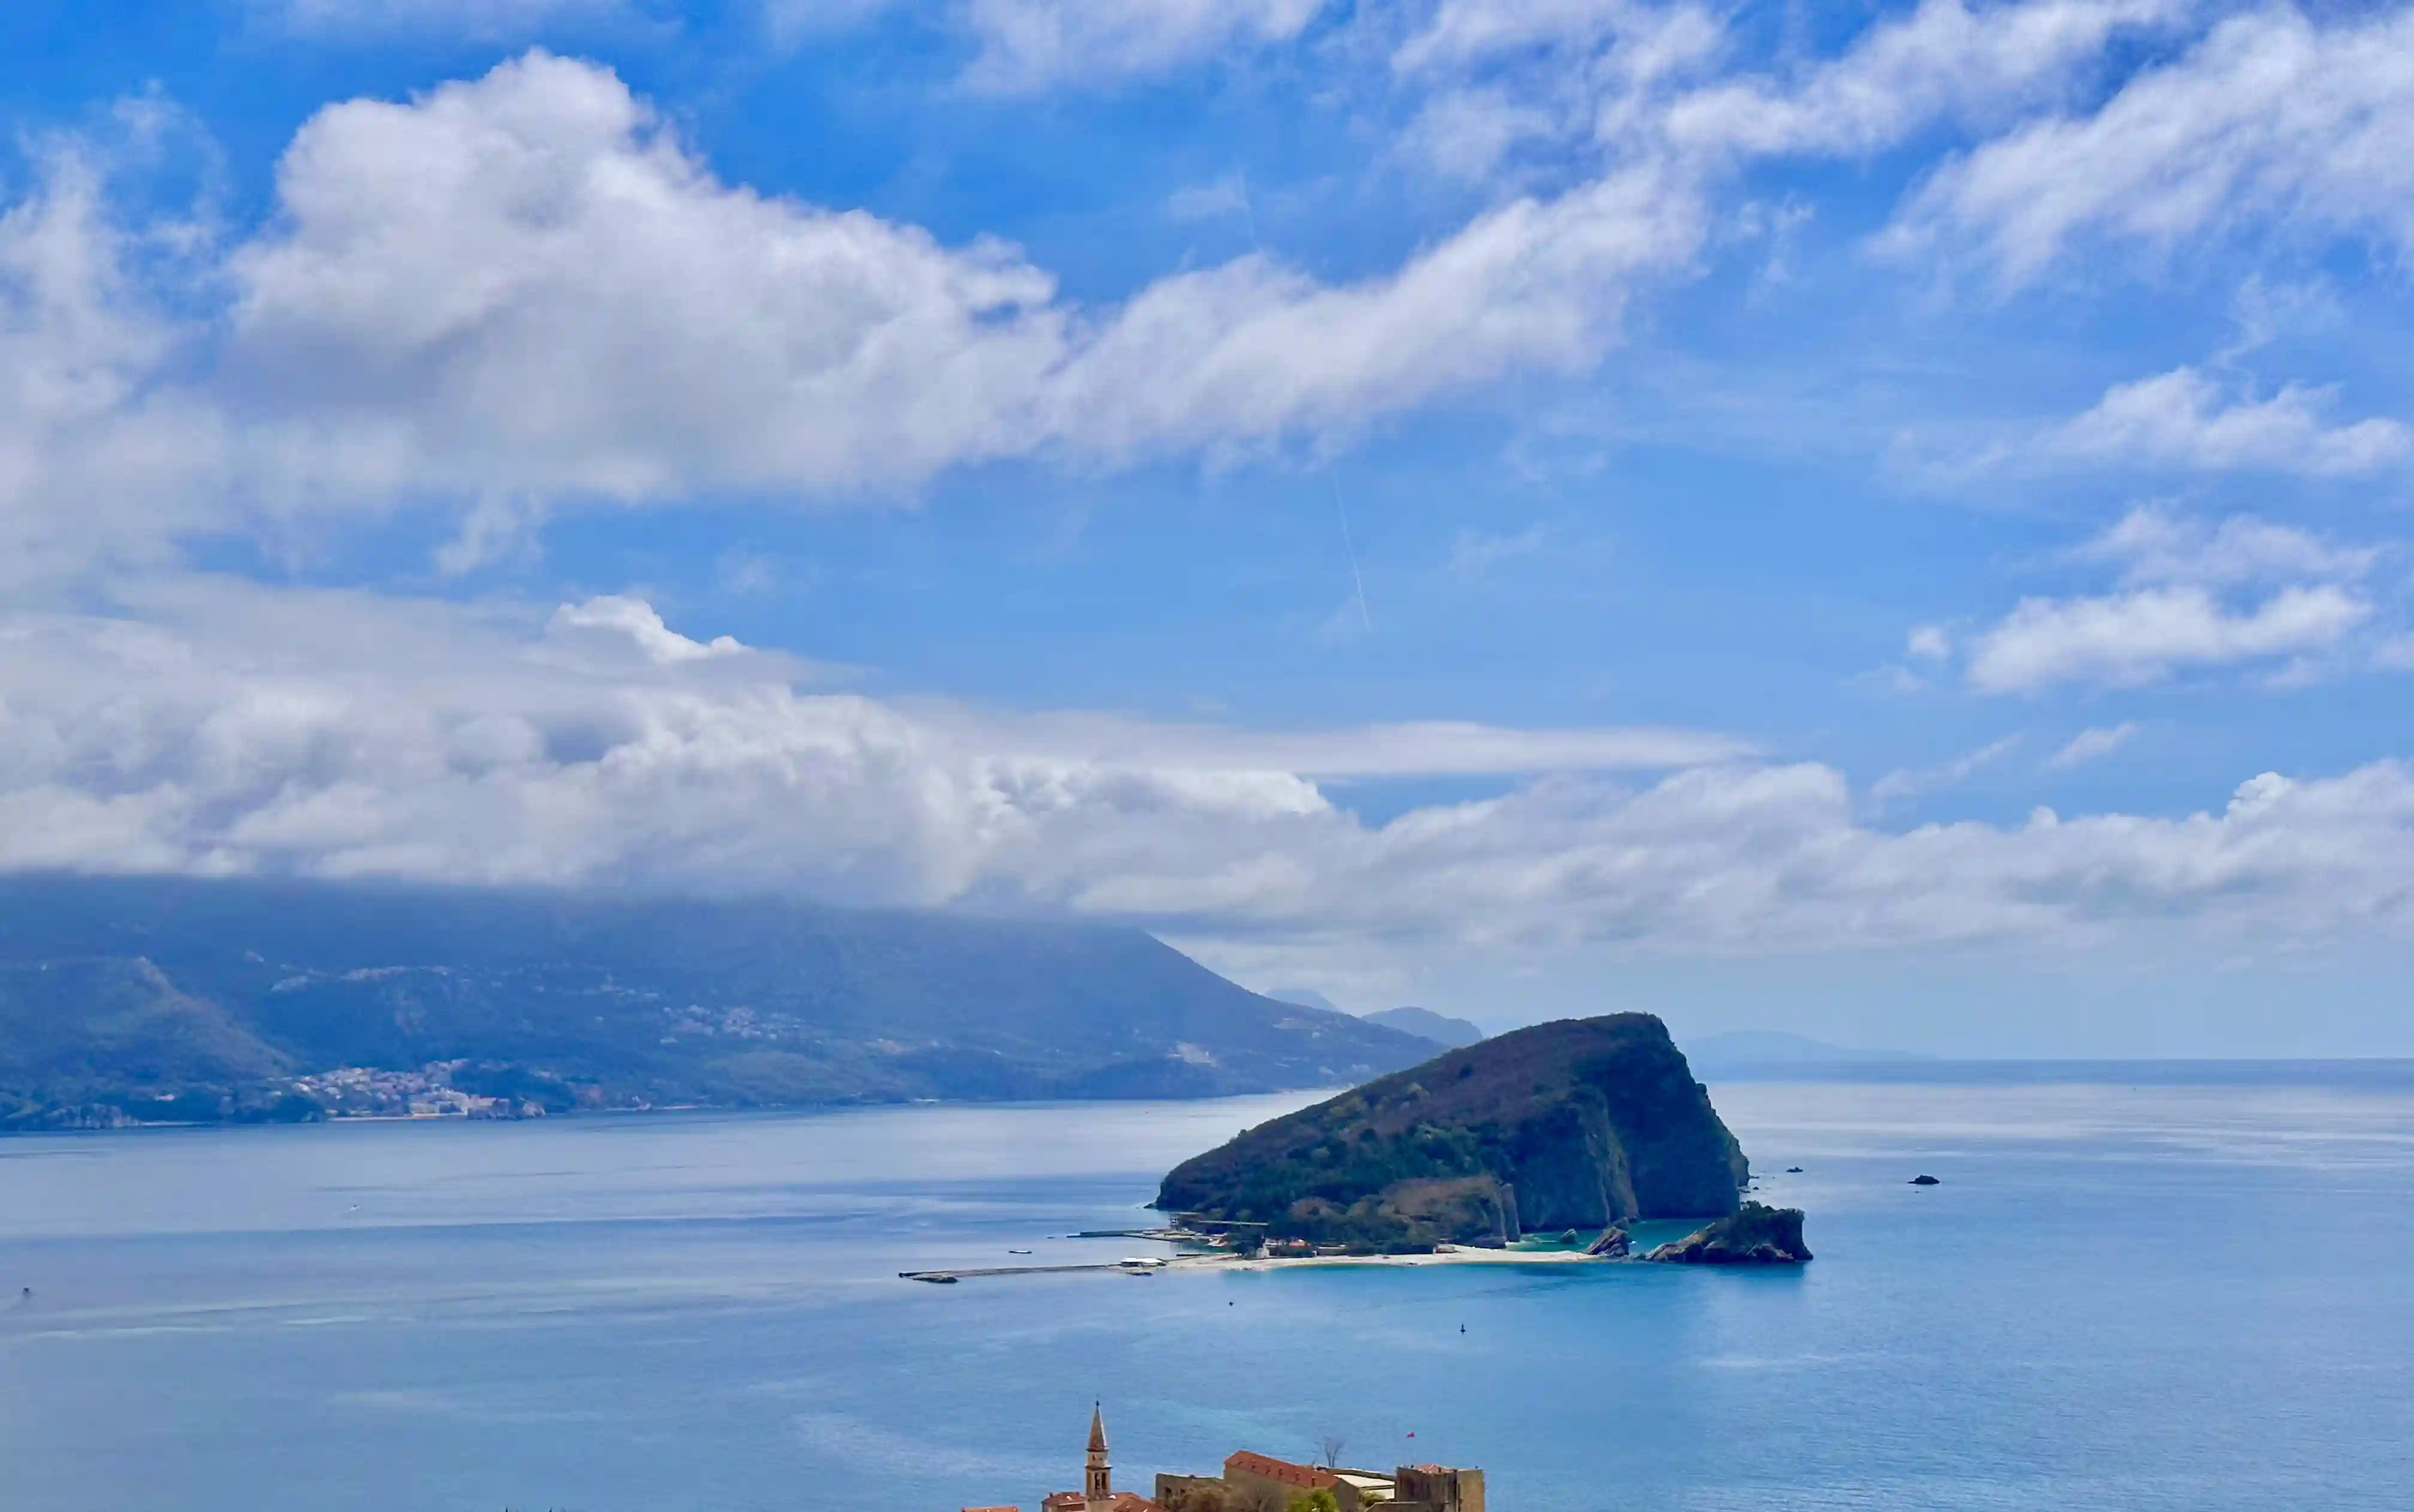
(1885, 525)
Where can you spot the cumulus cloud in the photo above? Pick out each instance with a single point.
(2184, 419)
(523, 289)
(2193, 595)
(2127, 639)
(2271, 117)
(208, 726)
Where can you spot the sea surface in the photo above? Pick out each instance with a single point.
(2132, 1296)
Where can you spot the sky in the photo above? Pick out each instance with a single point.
(1883, 521)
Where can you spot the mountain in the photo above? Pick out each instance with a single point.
(154, 998)
(1576, 1124)
(1427, 1024)
(1305, 997)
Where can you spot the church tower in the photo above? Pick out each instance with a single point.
(1096, 1489)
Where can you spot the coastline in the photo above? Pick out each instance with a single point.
(1194, 1263)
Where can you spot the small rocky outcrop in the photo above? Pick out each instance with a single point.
(1753, 1234)
(1612, 1245)
(1925, 1180)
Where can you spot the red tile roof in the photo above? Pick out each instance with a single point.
(1311, 1476)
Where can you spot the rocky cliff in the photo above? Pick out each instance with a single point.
(1755, 1235)
(1573, 1125)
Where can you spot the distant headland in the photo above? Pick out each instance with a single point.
(138, 1000)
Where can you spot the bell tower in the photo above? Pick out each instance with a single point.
(1097, 1482)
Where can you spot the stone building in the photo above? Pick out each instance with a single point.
(1253, 1482)
(1433, 1489)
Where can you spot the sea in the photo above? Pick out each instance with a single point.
(2128, 1292)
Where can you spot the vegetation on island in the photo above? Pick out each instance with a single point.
(1752, 1234)
(1573, 1125)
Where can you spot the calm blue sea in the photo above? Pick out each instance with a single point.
(2123, 1297)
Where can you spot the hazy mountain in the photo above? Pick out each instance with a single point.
(183, 998)
(1305, 997)
(1427, 1024)
(1775, 1047)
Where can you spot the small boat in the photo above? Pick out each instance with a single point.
(1017, 1251)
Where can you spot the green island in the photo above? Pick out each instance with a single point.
(1577, 1127)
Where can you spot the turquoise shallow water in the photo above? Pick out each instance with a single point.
(2132, 1297)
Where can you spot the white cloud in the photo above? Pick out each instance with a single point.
(485, 20)
(1029, 47)
(1906, 783)
(1944, 60)
(2273, 118)
(2182, 605)
(2127, 639)
(2182, 419)
(1032, 45)
(1226, 196)
(2092, 745)
(1474, 553)
(2151, 544)
(218, 726)
(1458, 33)
(636, 620)
(1928, 642)
(522, 291)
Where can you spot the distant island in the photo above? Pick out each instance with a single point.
(174, 1000)
(1579, 1125)
(1427, 1024)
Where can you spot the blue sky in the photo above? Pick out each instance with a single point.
(1882, 521)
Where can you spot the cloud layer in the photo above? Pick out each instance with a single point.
(209, 725)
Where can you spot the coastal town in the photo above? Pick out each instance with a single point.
(1253, 1482)
(367, 1092)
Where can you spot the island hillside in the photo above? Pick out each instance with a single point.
(1573, 1125)
(177, 1000)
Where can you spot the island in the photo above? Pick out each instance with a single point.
(1581, 1125)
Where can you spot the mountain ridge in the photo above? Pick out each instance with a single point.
(151, 994)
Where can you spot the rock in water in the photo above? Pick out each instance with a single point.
(1575, 1125)
(1753, 1234)
(1612, 1245)
(1924, 1181)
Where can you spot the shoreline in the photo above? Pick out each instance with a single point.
(1195, 1263)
